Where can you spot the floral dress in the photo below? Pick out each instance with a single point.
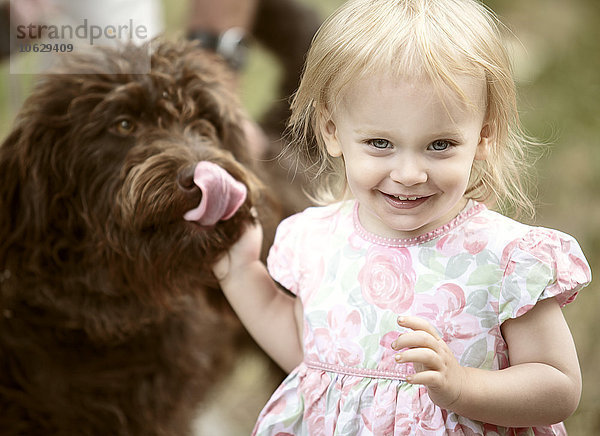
(466, 278)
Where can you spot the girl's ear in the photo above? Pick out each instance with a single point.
(329, 133)
(487, 137)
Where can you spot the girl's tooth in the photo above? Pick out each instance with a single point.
(399, 197)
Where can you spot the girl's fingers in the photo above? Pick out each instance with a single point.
(418, 324)
(423, 334)
(415, 339)
(423, 346)
(427, 378)
(427, 357)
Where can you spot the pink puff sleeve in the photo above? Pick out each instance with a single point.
(283, 261)
(542, 264)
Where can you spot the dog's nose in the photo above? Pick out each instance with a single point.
(185, 181)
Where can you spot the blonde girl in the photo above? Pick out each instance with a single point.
(415, 309)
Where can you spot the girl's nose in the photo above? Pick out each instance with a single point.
(409, 170)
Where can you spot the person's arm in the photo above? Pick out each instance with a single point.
(220, 15)
(268, 314)
(541, 387)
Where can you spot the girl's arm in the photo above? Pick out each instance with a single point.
(542, 386)
(268, 314)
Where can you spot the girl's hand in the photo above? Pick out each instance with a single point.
(434, 363)
(241, 254)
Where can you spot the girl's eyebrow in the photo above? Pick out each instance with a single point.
(442, 134)
(456, 134)
(373, 132)
(365, 132)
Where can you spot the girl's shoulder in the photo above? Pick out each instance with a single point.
(506, 232)
(317, 218)
(546, 262)
(303, 237)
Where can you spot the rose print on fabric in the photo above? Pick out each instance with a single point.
(446, 311)
(476, 236)
(338, 342)
(542, 244)
(423, 418)
(450, 244)
(315, 386)
(377, 418)
(430, 420)
(387, 278)
(473, 239)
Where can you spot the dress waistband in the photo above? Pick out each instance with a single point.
(362, 372)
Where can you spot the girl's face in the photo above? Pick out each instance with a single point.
(408, 150)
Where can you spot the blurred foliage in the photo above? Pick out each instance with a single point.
(560, 90)
(556, 47)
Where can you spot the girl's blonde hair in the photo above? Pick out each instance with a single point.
(440, 40)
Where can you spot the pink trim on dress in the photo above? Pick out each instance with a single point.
(426, 237)
(359, 372)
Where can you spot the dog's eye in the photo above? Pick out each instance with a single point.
(124, 127)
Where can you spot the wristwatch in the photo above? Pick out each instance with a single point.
(232, 45)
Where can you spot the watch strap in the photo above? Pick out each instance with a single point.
(230, 44)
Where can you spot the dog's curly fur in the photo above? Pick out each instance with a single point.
(110, 320)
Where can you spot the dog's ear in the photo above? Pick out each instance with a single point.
(22, 214)
(31, 179)
(10, 186)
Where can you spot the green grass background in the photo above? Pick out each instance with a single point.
(557, 62)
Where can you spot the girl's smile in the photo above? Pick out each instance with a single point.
(405, 202)
(408, 149)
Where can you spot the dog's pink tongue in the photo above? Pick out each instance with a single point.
(222, 195)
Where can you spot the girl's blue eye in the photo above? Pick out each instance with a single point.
(379, 143)
(440, 145)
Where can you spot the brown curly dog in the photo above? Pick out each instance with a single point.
(110, 321)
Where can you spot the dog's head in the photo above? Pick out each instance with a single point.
(98, 173)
